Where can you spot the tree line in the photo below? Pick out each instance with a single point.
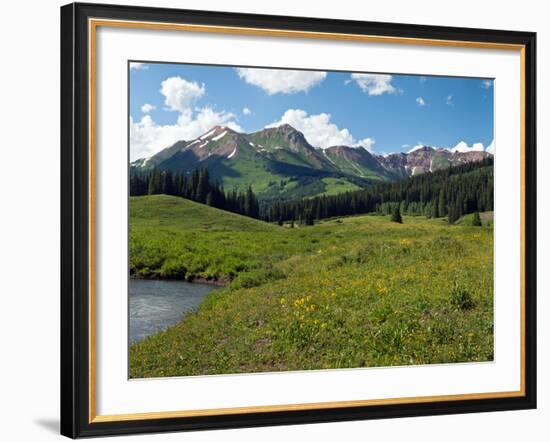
(197, 187)
(451, 192)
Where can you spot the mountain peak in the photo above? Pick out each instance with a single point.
(286, 134)
(349, 150)
(280, 150)
(421, 148)
(220, 128)
(283, 129)
(286, 128)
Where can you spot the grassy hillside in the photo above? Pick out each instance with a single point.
(169, 212)
(349, 292)
(486, 219)
(171, 237)
(334, 186)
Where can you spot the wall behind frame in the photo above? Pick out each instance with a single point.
(29, 232)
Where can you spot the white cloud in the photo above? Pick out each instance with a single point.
(374, 84)
(420, 101)
(463, 147)
(283, 81)
(486, 84)
(138, 66)
(320, 131)
(449, 100)
(146, 108)
(180, 94)
(460, 147)
(147, 137)
(366, 143)
(419, 145)
(246, 111)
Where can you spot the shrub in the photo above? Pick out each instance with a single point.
(396, 216)
(147, 273)
(476, 220)
(256, 277)
(360, 256)
(363, 255)
(173, 268)
(446, 244)
(461, 298)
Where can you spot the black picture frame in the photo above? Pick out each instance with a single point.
(75, 220)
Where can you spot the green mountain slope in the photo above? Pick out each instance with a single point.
(275, 162)
(354, 161)
(171, 212)
(279, 163)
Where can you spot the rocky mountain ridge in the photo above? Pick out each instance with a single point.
(282, 154)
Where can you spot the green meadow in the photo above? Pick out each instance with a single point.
(358, 291)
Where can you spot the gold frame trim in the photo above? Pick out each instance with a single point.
(93, 24)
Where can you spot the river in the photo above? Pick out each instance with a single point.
(158, 304)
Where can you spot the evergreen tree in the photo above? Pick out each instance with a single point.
(196, 187)
(435, 204)
(452, 192)
(210, 199)
(168, 183)
(442, 203)
(203, 186)
(452, 213)
(396, 216)
(476, 220)
(308, 218)
(468, 187)
(155, 182)
(251, 207)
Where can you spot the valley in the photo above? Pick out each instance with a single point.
(286, 219)
(354, 291)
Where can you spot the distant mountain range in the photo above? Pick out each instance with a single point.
(280, 163)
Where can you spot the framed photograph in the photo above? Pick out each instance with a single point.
(274, 220)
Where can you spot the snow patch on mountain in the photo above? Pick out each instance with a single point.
(220, 136)
(206, 135)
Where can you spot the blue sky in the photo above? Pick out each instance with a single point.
(382, 113)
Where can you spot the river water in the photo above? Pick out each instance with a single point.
(158, 304)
